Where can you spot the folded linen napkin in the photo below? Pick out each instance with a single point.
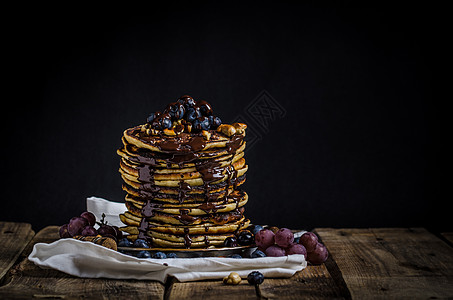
(88, 260)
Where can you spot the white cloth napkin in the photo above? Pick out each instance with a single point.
(88, 260)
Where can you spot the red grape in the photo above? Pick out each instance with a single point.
(264, 238)
(284, 237)
(297, 249)
(90, 217)
(318, 255)
(89, 231)
(64, 231)
(76, 225)
(106, 229)
(274, 251)
(309, 240)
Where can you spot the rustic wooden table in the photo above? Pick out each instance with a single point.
(363, 263)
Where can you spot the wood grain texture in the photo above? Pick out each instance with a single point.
(27, 280)
(391, 262)
(314, 282)
(48, 234)
(209, 289)
(382, 263)
(14, 237)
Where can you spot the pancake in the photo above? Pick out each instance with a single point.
(192, 181)
(235, 197)
(183, 218)
(194, 229)
(143, 190)
(147, 157)
(194, 209)
(192, 239)
(133, 167)
(162, 175)
(162, 144)
(182, 176)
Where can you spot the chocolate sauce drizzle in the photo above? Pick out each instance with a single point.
(184, 188)
(187, 239)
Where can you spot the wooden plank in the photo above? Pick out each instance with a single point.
(45, 235)
(391, 262)
(209, 289)
(26, 280)
(314, 282)
(13, 239)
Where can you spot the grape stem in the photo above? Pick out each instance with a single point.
(102, 222)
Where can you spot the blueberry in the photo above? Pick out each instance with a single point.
(143, 254)
(162, 121)
(125, 242)
(296, 240)
(192, 114)
(257, 253)
(255, 228)
(172, 255)
(214, 122)
(235, 256)
(230, 242)
(187, 101)
(150, 119)
(196, 125)
(255, 277)
(245, 238)
(140, 243)
(204, 123)
(166, 123)
(176, 110)
(159, 255)
(205, 108)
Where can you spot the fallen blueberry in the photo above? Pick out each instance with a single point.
(125, 242)
(257, 253)
(255, 277)
(139, 243)
(143, 254)
(159, 255)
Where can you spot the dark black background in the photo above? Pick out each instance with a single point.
(356, 148)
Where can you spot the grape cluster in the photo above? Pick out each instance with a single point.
(84, 225)
(282, 243)
(185, 111)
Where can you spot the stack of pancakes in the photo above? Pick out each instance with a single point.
(183, 189)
